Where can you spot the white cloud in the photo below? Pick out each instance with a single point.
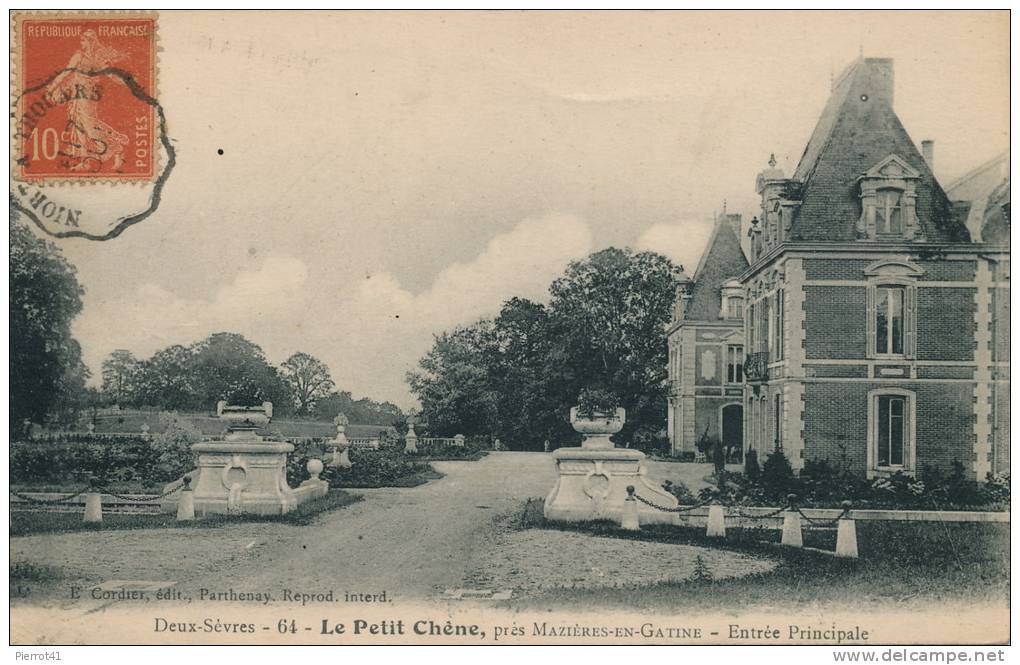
(683, 243)
(370, 333)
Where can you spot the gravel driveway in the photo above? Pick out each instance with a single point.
(413, 543)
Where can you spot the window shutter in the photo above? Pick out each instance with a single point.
(871, 320)
(910, 322)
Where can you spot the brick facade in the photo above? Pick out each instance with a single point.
(895, 328)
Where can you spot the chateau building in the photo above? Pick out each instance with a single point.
(875, 308)
(876, 325)
(706, 346)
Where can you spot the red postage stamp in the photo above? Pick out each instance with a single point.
(84, 94)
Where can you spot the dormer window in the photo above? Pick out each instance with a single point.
(888, 212)
(732, 300)
(888, 202)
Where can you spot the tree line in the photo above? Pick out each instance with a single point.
(515, 376)
(228, 366)
(48, 377)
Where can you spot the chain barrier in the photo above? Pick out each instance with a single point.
(90, 488)
(666, 509)
(828, 521)
(49, 502)
(790, 505)
(766, 516)
(126, 497)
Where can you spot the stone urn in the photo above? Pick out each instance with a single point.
(597, 427)
(592, 479)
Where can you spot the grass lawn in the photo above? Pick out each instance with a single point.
(900, 563)
(29, 522)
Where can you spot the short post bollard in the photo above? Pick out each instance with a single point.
(186, 502)
(629, 519)
(792, 534)
(93, 507)
(846, 534)
(716, 522)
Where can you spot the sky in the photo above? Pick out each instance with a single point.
(388, 176)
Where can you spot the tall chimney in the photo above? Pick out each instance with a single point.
(928, 150)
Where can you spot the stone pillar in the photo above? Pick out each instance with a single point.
(716, 522)
(458, 440)
(93, 507)
(792, 535)
(846, 538)
(630, 520)
(342, 447)
(186, 503)
(410, 439)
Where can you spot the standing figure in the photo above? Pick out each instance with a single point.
(87, 143)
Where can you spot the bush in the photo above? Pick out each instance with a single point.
(72, 458)
(385, 467)
(474, 448)
(651, 442)
(682, 493)
(997, 487)
(172, 446)
(596, 400)
(751, 469)
(777, 476)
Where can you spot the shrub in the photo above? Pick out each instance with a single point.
(777, 476)
(682, 493)
(385, 467)
(74, 458)
(172, 446)
(652, 442)
(751, 469)
(997, 487)
(596, 400)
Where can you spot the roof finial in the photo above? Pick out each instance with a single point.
(860, 51)
(772, 160)
(724, 206)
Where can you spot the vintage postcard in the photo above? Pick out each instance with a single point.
(507, 328)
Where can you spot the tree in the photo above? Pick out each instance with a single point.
(517, 363)
(362, 411)
(165, 380)
(516, 376)
(308, 379)
(226, 366)
(453, 383)
(608, 318)
(120, 373)
(44, 297)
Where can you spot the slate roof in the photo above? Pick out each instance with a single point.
(984, 191)
(857, 129)
(722, 260)
(995, 226)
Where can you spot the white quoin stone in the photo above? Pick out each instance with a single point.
(93, 507)
(716, 522)
(792, 534)
(846, 538)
